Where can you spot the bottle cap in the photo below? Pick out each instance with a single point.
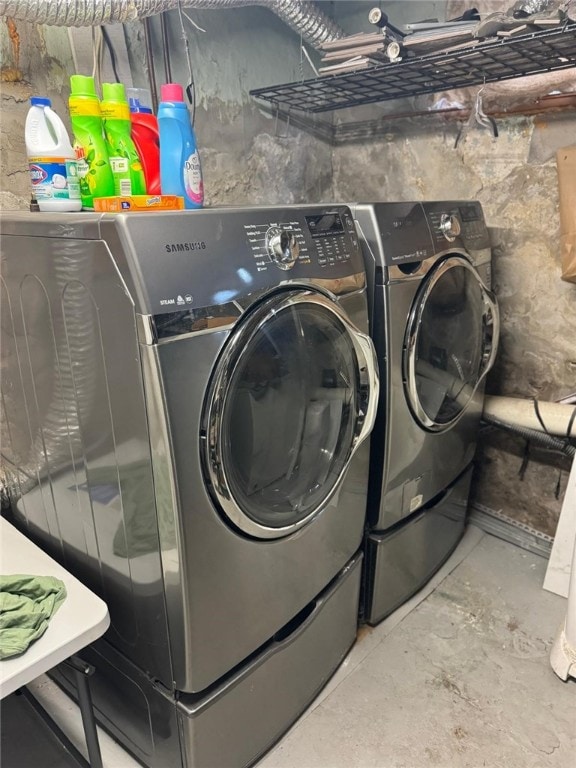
(82, 85)
(113, 92)
(171, 92)
(40, 101)
(139, 100)
(135, 106)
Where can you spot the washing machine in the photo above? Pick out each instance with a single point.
(435, 324)
(186, 404)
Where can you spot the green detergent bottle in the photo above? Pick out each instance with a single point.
(126, 166)
(94, 171)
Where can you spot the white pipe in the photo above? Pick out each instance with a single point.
(521, 413)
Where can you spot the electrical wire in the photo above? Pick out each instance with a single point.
(546, 440)
(190, 88)
(165, 48)
(150, 63)
(570, 424)
(308, 58)
(568, 436)
(563, 446)
(111, 51)
(539, 415)
(188, 18)
(96, 54)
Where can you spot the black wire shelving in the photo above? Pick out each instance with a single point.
(483, 62)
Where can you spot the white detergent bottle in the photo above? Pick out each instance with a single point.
(51, 159)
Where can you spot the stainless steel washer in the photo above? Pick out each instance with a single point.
(186, 404)
(435, 325)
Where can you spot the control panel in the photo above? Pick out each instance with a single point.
(457, 222)
(215, 256)
(326, 239)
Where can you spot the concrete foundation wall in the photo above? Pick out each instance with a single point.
(250, 157)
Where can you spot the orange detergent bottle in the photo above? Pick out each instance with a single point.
(145, 136)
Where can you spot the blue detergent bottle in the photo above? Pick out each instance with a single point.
(180, 170)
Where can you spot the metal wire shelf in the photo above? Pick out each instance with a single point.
(484, 62)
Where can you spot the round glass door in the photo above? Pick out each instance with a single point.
(450, 343)
(285, 412)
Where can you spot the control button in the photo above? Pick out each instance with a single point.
(282, 246)
(450, 226)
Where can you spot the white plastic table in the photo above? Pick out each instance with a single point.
(82, 618)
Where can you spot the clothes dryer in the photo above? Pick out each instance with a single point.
(187, 398)
(434, 321)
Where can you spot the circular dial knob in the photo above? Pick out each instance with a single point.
(282, 247)
(450, 226)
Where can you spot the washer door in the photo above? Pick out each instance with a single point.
(450, 343)
(293, 396)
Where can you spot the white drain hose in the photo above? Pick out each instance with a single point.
(521, 412)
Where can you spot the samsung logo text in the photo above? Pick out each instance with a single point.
(198, 245)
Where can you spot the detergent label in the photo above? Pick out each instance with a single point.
(119, 164)
(114, 110)
(84, 107)
(193, 179)
(121, 172)
(54, 178)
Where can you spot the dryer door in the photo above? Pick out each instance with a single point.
(293, 396)
(450, 342)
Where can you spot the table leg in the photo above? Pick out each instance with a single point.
(82, 671)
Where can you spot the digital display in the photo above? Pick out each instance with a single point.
(469, 213)
(325, 224)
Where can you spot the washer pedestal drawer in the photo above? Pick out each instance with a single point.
(239, 719)
(400, 561)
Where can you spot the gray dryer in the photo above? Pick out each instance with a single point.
(186, 402)
(435, 325)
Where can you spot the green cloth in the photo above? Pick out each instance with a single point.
(27, 603)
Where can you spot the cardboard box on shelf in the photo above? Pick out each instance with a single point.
(139, 203)
(566, 167)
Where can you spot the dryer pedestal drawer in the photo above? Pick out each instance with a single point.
(239, 719)
(400, 561)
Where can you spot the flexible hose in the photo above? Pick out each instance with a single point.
(304, 17)
(534, 435)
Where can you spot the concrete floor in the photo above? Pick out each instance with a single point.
(459, 677)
